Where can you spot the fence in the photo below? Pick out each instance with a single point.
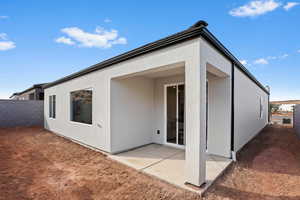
(15, 113)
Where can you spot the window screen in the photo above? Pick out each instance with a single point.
(81, 106)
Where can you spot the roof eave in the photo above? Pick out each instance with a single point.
(223, 50)
(197, 30)
(32, 87)
(190, 33)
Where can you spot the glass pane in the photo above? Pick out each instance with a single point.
(181, 114)
(81, 106)
(50, 106)
(54, 105)
(41, 96)
(171, 114)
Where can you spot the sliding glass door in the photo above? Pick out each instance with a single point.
(175, 114)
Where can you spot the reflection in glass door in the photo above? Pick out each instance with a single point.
(175, 114)
(180, 117)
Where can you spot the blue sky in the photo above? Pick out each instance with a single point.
(41, 41)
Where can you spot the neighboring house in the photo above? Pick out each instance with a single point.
(286, 106)
(36, 92)
(283, 114)
(157, 93)
(14, 96)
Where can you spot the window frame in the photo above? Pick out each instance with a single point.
(52, 106)
(261, 108)
(71, 107)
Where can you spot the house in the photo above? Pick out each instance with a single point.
(282, 111)
(286, 106)
(186, 91)
(36, 92)
(14, 96)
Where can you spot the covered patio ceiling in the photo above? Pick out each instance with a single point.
(158, 72)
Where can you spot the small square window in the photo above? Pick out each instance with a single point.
(81, 106)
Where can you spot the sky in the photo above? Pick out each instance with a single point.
(42, 41)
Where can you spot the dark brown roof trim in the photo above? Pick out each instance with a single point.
(31, 88)
(14, 94)
(198, 29)
(223, 50)
(190, 33)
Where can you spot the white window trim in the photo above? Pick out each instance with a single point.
(261, 107)
(70, 106)
(51, 116)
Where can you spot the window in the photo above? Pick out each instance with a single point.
(41, 96)
(31, 96)
(81, 106)
(261, 107)
(52, 106)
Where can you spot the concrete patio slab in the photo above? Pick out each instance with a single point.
(170, 169)
(145, 156)
(168, 163)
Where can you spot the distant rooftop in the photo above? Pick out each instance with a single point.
(286, 102)
(40, 85)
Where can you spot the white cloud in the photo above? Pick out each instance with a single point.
(120, 40)
(290, 5)
(3, 17)
(261, 61)
(271, 58)
(283, 56)
(3, 36)
(265, 61)
(107, 20)
(244, 62)
(65, 40)
(6, 45)
(100, 39)
(255, 8)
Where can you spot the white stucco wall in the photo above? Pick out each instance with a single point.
(219, 116)
(114, 124)
(138, 111)
(247, 121)
(219, 97)
(94, 134)
(132, 108)
(99, 133)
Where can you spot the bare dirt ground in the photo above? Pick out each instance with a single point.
(35, 164)
(268, 168)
